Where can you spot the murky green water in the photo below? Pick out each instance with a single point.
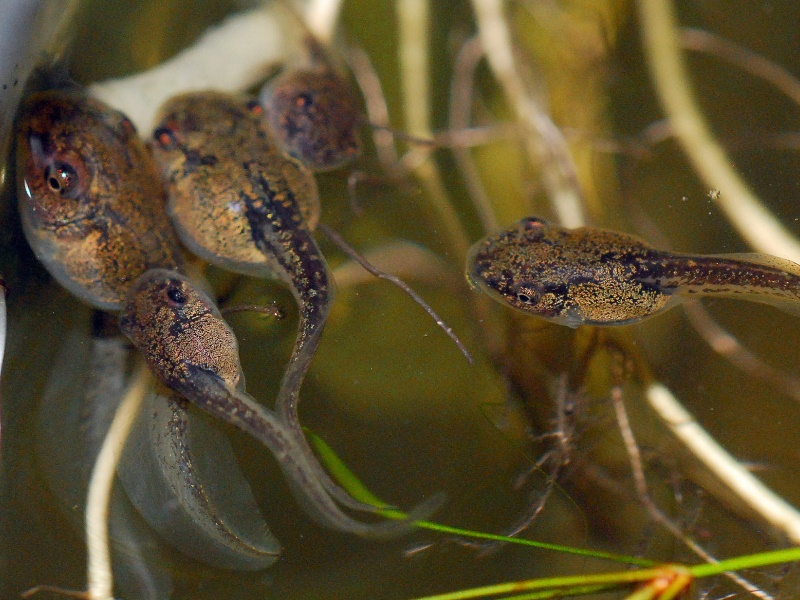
(387, 389)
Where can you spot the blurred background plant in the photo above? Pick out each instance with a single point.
(387, 390)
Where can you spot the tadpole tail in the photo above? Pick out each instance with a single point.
(181, 474)
(242, 411)
(752, 277)
(304, 269)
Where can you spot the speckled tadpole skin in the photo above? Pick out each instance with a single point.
(93, 210)
(191, 349)
(90, 201)
(179, 331)
(594, 276)
(239, 203)
(222, 171)
(313, 116)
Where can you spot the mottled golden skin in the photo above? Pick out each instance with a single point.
(594, 276)
(313, 116)
(222, 173)
(90, 200)
(192, 350)
(179, 331)
(94, 211)
(240, 203)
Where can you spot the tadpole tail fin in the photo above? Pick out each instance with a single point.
(180, 472)
(307, 478)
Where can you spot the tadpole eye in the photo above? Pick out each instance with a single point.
(524, 298)
(303, 100)
(176, 296)
(166, 138)
(527, 295)
(254, 106)
(534, 223)
(127, 126)
(62, 178)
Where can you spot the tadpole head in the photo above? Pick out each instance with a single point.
(515, 267)
(184, 125)
(500, 261)
(173, 122)
(179, 330)
(541, 298)
(314, 117)
(58, 134)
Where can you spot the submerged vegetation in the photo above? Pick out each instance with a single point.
(648, 444)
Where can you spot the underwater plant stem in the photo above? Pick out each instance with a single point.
(772, 508)
(619, 558)
(736, 353)
(544, 142)
(760, 228)
(781, 79)
(579, 590)
(414, 47)
(375, 104)
(321, 17)
(100, 580)
(413, 18)
(461, 92)
(749, 561)
(345, 477)
(677, 577)
(643, 491)
(556, 583)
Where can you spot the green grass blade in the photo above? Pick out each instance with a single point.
(348, 480)
(553, 586)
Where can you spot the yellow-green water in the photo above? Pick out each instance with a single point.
(391, 394)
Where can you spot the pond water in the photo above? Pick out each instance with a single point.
(390, 393)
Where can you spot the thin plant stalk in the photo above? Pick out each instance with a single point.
(461, 92)
(357, 490)
(666, 574)
(728, 346)
(99, 576)
(545, 143)
(413, 29)
(100, 579)
(642, 490)
(557, 583)
(772, 508)
(414, 48)
(376, 107)
(700, 40)
(754, 222)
